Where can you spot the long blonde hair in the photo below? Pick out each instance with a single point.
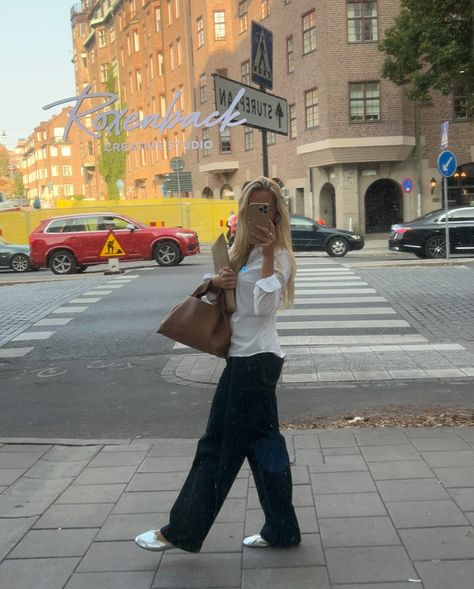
(240, 249)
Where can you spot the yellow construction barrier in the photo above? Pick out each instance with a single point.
(206, 217)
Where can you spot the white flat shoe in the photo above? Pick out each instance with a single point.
(255, 541)
(149, 541)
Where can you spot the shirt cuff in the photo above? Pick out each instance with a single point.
(269, 284)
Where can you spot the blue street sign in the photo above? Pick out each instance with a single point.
(444, 135)
(407, 184)
(262, 56)
(447, 163)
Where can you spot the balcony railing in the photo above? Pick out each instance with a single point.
(80, 7)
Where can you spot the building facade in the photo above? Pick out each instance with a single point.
(353, 136)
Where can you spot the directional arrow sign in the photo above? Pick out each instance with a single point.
(261, 110)
(447, 163)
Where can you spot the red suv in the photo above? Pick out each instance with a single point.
(71, 243)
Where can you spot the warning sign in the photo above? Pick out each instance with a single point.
(262, 55)
(112, 247)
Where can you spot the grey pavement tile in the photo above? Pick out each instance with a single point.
(349, 505)
(358, 531)
(170, 448)
(377, 564)
(10, 475)
(16, 507)
(47, 469)
(136, 446)
(381, 437)
(344, 463)
(439, 543)
(49, 543)
(28, 448)
(239, 489)
(336, 439)
(38, 489)
(19, 459)
(36, 573)
(109, 557)
(410, 469)
(122, 580)
(351, 451)
(72, 453)
(402, 585)
(442, 444)
(89, 515)
(453, 458)
(92, 494)
(432, 432)
(11, 532)
(425, 514)
(306, 442)
(128, 526)
(454, 574)
(308, 456)
(463, 497)
(470, 517)
(308, 553)
(412, 490)
(300, 577)
(302, 496)
(195, 571)
(338, 482)
(233, 510)
(456, 476)
(306, 517)
(145, 502)
(224, 538)
(117, 459)
(157, 481)
(389, 453)
(166, 464)
(106, 475)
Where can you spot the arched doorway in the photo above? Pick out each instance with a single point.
(227, 191)
(207, 192)
(461, 186)
(383, 206)
(327, 204)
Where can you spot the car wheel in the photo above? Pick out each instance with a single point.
(435, 247)
(20, 263)
(62, 262)
(167, 253)
(337, 247)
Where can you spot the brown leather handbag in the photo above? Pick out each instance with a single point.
(198, 324)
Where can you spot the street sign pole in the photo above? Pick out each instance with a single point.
(446, 228)
(179, 198)
(447, 165)
(264, 146)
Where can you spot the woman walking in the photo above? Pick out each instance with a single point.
(243, 422)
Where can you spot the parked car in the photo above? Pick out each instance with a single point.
(71, 243)
(16, 257)
(425, 236)
(310, 236)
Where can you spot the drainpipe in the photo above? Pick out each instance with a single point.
(418, 157)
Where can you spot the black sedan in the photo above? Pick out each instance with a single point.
(16, 257)
(426, 236)
(310, 236)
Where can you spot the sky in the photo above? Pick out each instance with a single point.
(35, 63)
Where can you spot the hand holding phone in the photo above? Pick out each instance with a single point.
(258, 220)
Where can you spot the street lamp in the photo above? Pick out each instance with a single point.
(433, 184)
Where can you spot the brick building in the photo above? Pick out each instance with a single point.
(353, 136)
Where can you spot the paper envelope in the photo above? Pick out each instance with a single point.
(220, 255)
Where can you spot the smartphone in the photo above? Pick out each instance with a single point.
(258, 214)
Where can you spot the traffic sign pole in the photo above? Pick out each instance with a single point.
(446, 228)
(264, 146)
(447, 165)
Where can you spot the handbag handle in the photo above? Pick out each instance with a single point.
(204, 288)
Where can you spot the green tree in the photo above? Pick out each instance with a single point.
(112, 163)
(18, 186)
(431, 47)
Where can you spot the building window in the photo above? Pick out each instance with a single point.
(362, 21)
(138, 79)
(224, 138)
(162, 105)
(65, 151)
(172, 58)
(170, 12)
(365, 101)
(271, 138)
(248, 138)
(292, 121)
(219, 25)
(90, 148)
(136, 41)
(243, 16)
(200, 32)
(158, 20)
(311, 106)
(152, 67)
(68, 190)
(245, 72)
(54, 151)
(202, 88)
(265, 8)
(104, 67)
(102, 38)
(179, 51)
(176, 8)
(309, 32)
(206, 142)
(159, 56)
(54, 170)
(290, 62)
(181, 96)
(460, 107)
(67, 170)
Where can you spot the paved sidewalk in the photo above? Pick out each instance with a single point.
(379, 509)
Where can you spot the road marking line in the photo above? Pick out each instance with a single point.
(339, 291)
(305, 340)
(14, 352)
(96, 300)
(70, 310)
(337, 311)
(33, 335)
(54, 321)
(334, 300)
(355, 324)
(301, 286)
(97, 292)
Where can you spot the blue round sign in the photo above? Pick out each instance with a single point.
(447, 163)
(407, 184)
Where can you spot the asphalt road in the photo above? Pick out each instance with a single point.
(98, 376)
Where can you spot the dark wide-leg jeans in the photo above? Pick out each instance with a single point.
(243, 423)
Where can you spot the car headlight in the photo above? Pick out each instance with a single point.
(185, 235)
(356, 236)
